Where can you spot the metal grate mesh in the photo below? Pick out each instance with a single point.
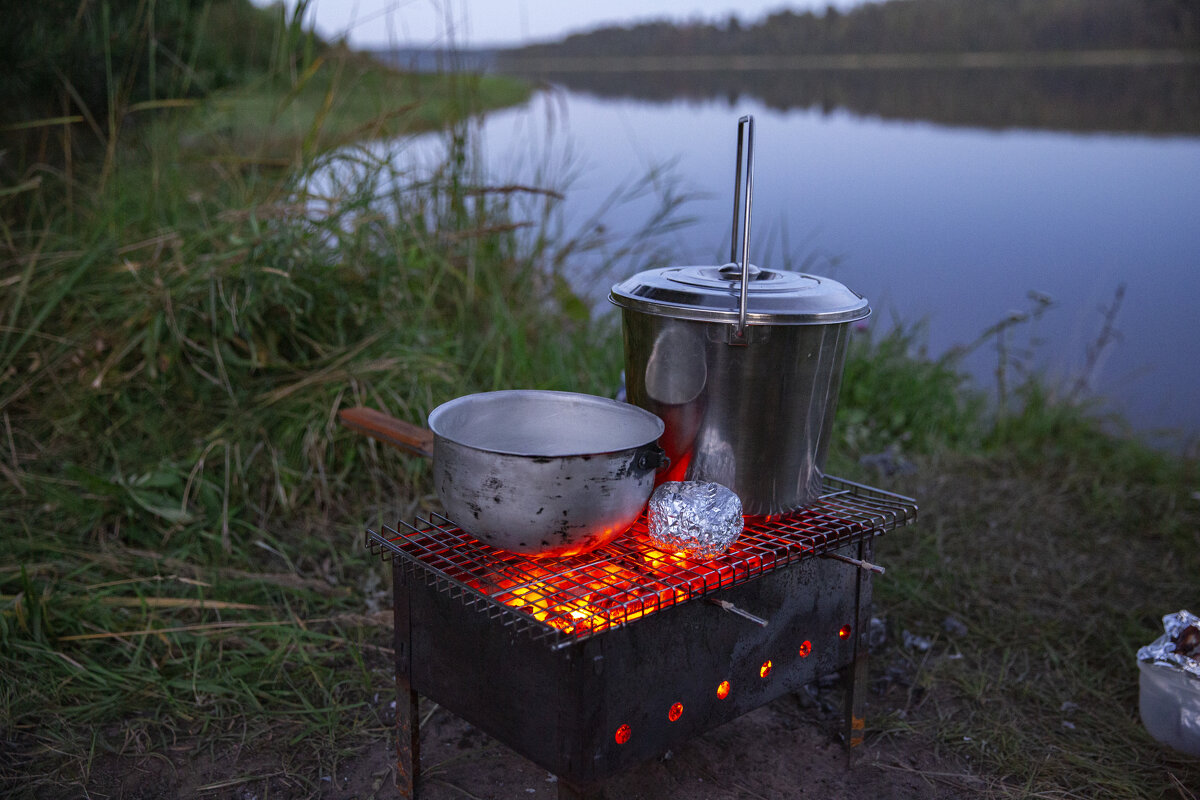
(565, 600)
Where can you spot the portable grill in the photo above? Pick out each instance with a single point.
(590, 664)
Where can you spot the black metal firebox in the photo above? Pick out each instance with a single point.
(590, 664)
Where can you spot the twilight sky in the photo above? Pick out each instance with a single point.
(414, 23)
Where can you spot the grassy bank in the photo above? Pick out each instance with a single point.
(1047, 553)
(181, 569)
(342, 98)
(1054, 574)
(184, 597)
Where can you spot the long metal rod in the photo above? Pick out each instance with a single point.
(746, 122)
(737, 198)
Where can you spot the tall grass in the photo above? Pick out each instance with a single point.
(181, 512)
(179, 323)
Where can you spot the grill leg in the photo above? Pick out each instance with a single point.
(856, 675)
(408, 720)
(408, 739)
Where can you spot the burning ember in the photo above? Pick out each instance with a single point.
(615, 589)
(629, 577)
(586, 597)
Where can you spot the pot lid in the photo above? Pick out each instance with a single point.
(712, 294)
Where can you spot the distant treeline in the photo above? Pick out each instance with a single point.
(905, 26)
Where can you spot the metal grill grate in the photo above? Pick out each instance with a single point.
(566, 600)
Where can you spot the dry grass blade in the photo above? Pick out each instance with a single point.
(476, 233)
(42, 123)
(225, 784)
(958, 780)
(25, 186)
(178, 602)
(456, 788)
(14, 479)
(339, 375)
(173, 102)
(282, 579)
(381, 619)
(207, 627)
(1184, 792)
(70, 661)
(335, 371)
(160, 241)
(513, 188)
(149, 579)
(266, 211)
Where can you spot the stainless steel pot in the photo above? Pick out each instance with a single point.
(534, 472)
(742, 364)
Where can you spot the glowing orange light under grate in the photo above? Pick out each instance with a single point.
(628, 578)
(844, 632)
(723, 690)
(622, 735)
(675, 712)
(766, 668)
(593, 597)
(805, 648)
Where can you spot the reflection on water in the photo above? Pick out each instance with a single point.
(1157, 99)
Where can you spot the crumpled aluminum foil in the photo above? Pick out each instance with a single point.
(700, 517)
(1162, 650)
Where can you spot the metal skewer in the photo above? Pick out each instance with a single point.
(731, 608)
(863, 565)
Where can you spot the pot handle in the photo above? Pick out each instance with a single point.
(653, 458)
(389, 430)
(746, 125)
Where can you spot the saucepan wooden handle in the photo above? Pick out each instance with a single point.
(389, 430)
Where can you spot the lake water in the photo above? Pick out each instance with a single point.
(946, 225)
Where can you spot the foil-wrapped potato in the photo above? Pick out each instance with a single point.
(700, 517)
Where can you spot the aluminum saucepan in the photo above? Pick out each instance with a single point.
(534, 472)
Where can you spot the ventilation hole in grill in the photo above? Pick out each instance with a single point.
(805, 648)
(675, 712)
(766, 668)
(723, 690)
(844, 632)
(623, 734)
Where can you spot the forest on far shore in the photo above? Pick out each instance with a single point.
(905, 26)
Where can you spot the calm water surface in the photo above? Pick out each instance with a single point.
(950, 227)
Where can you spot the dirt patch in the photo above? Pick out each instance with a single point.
(789, 748)
(780, 750)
